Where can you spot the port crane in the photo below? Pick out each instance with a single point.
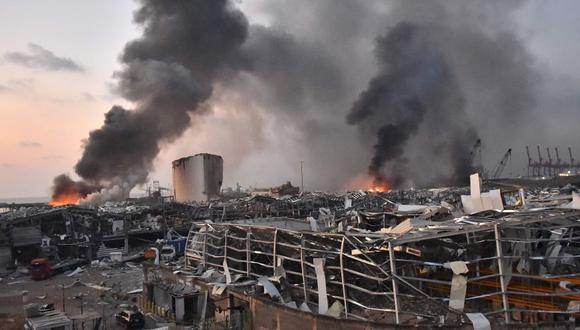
(530, 162)
(559, 166)
(549, 166)
(502, 163)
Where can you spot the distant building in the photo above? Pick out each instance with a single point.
(287, 189)
(197, 178)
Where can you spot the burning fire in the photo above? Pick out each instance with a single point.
(66, 198)
(367, 183)
(66, 191)
(379, 187)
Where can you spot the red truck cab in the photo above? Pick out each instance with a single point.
(40, 269)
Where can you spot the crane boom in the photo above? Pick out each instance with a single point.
(549, 166)
(501, 165)
(540, 163)
(529, 156)
(530, 162)
(475, 149)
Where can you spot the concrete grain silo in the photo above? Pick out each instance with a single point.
(197, 178)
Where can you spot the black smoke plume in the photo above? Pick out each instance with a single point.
(446, 73)
(63, 185)
(414, 79)
(168, 73)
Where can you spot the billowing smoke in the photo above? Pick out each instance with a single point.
(168, 73)
(446, 72)
(63, 182)
(414, 79)
(67, 191)
(442, 75)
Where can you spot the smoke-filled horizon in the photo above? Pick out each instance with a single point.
(396, 90)
(167, 73)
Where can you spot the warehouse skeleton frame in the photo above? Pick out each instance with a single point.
(398, 277)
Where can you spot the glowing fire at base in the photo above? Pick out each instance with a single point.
(66, 198)
(66, 191)
(367, 183)
(381, 187)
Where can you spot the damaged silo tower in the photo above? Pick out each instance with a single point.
(198, 177)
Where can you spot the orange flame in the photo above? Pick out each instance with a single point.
(367, 183)
(380, 187)
(71, 197)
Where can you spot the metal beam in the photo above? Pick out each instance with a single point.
(394, 281)
(342, 278)
(304, 283)
(502, 279)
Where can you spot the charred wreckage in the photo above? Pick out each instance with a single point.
(450, 257)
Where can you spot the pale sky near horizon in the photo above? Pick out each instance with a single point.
(48, 106)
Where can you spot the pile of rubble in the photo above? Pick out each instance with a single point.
(513, 257)
(486, 254)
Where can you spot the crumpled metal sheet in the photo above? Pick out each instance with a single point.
(269, 287)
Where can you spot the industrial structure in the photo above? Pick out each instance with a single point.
(498, 170)
(548, 167)
(197, 178)
(497, 268)
(496, 254)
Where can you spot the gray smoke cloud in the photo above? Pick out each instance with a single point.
(420, 81)
(397, 89)
(40, 57)
(448, 72)
(304, 69)
(168, 73)
(415, 80)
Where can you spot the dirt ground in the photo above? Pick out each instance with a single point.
(68, 292)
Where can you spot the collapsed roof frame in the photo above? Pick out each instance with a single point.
(358, 266)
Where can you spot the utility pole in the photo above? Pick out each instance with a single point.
(63, 307)
(80, 297)
(103, 318)
(301, 176)
(549, 164)
(540, 164)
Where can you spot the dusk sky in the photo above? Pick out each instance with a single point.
(58, 58)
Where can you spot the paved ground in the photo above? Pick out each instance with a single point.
(121, 279)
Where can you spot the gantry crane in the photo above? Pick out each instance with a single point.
(540, 162)
(549, 166)
(559, 168)
(530, 162)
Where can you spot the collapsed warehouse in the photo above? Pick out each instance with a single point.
(382, 263)
(418, 269)
(448, 257)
